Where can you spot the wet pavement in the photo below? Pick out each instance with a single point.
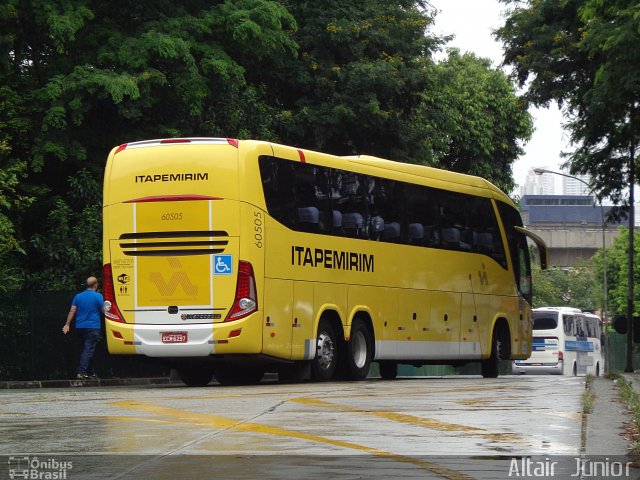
(453, 427)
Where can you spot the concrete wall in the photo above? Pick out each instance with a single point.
(567, 245)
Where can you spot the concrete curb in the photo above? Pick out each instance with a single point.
(102, 382)
(105, 382)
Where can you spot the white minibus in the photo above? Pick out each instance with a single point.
(566, 341)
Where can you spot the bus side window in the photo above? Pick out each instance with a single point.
(277, 181)
(486, 238)
(456, 216)
(592, 328)
(422, 216)
(311, 193)
(569, 326)
(386, 202)
(352, 203)
(519, 250)
(307, 217)
(580, 328)
(329, 218)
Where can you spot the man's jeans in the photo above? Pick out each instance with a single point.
(88, 339)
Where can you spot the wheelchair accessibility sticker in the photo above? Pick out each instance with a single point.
(222, 264)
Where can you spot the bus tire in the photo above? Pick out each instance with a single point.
(597, 369)
(359, 351)
(575, 370)
(490, 367)
(323, 366)
(388, 370)
(195, 376)
(229, 375)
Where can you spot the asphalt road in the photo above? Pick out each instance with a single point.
(453, 427)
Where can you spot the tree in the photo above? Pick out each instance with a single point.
(11, 201)
(617, 263)
(358, 78)
(474, 120)
(577, 287)
(583, 54)
(79, 77)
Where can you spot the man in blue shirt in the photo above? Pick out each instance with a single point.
(86, 307)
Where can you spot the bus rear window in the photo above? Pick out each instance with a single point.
(545, 322)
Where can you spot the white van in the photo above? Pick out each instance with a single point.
(566, 341)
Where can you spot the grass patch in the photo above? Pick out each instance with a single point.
(588, 399)
(632, 400)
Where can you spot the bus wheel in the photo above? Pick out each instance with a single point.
(597, 369)
(239, 375)
(575, 370)
(359, 351)
(195, 376)
(324, 364)
(388, 370)
(491, 365)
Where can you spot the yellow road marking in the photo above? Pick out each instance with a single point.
(429, 423)
(224, 423)
(394, 416)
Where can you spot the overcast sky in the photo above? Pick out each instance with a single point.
(472, 21)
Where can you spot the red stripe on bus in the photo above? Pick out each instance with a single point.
(172, 198)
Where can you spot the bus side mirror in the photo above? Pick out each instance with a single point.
(542, 247)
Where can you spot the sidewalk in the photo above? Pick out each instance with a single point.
(102, 382)
(605, 432)
(173, 379)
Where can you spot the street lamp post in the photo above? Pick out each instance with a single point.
(605, 297)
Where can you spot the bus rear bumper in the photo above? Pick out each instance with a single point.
(191, 340)
(164, 340)
(523, 368)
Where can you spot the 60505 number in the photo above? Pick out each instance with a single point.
(171, 216)
(257, 227)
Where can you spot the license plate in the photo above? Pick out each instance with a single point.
(174, 337)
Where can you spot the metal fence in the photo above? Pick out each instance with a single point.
(33, 347)
(616, 353)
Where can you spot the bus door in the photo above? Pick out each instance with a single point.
(469, 331)
(445, 324)
(582, 346)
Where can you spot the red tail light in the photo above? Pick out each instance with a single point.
(110, 308)
(246, 301)
(560, 356)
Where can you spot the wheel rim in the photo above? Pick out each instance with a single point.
(326, 351)
(359, 349)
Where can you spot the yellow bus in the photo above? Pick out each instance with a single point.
(232, 257)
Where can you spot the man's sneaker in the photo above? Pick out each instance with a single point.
(93, 377)
(80, 376)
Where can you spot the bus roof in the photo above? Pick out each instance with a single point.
(421, 171)
(559, 309)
